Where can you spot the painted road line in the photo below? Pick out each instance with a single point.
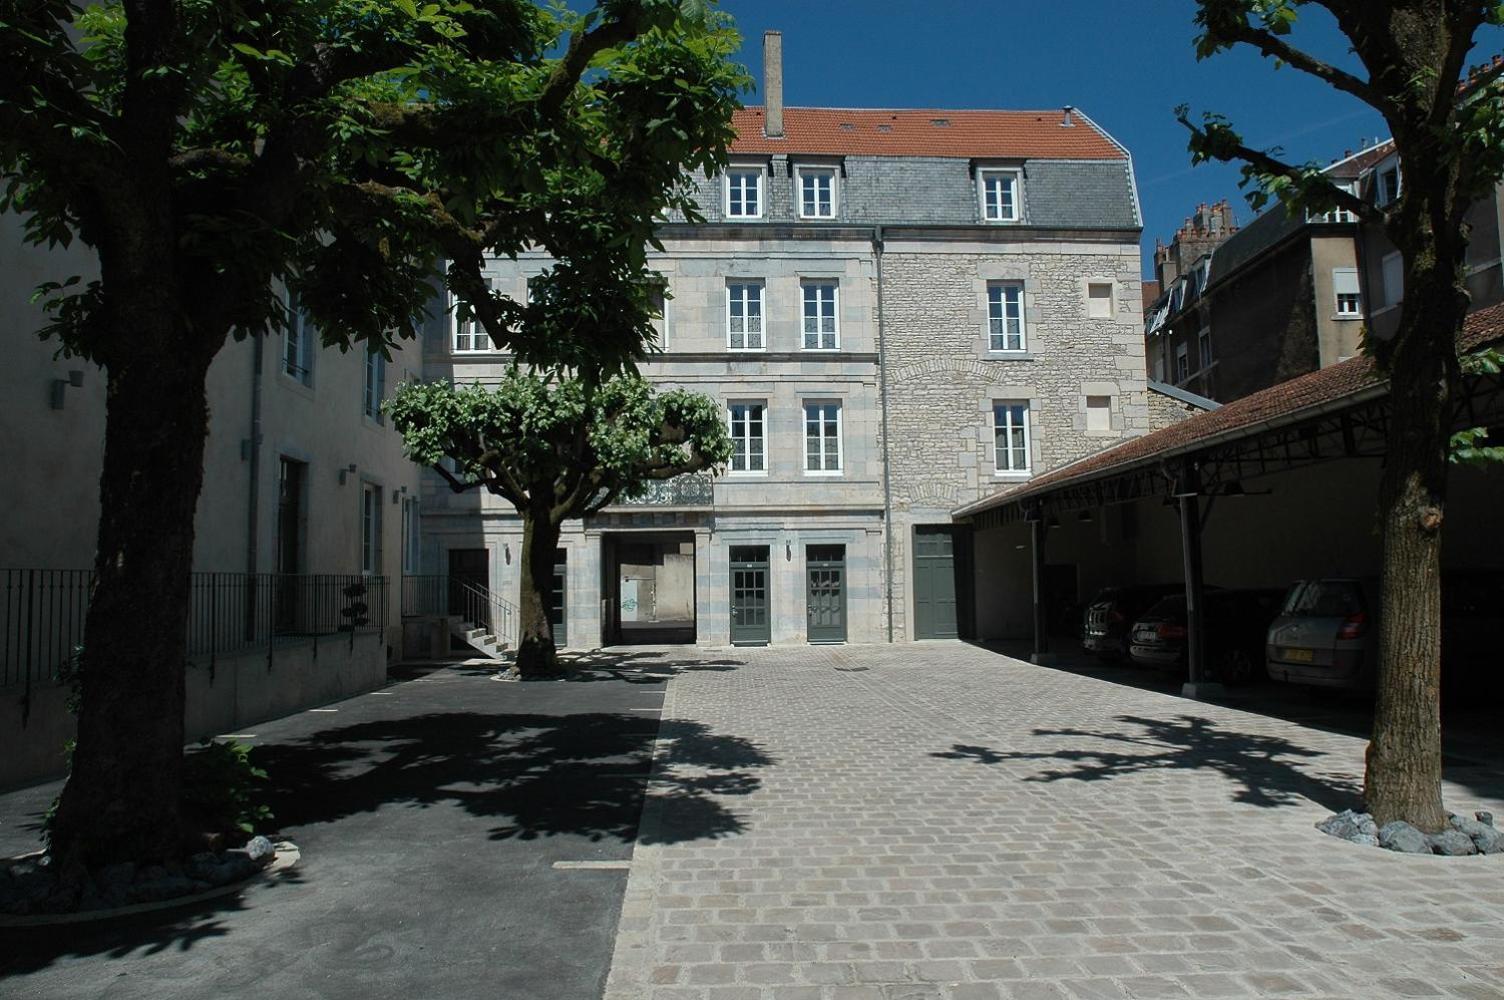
(236, 736)
(323, 710)
(570, 866)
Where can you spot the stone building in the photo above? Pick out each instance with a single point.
(1242, 309)
(902, 310)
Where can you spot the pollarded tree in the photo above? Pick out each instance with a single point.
(209, 152)
(1448, 129)
(557, 449)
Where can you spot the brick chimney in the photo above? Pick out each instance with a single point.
(772, 84)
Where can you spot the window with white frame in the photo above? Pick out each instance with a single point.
(1010, 436)
(1204, 346)
(1389, 185)
(820, 333)
(1345, 288)
(999, 193)
(744, 192)
(370, 529)
(822, 438)
(1099, 413)
(468, 336)
(748, 437)
(744, 316)
(1099, 300)
(1005, 316)
(1182, 364)
(817, 192)
(1336, 214)
(375, 383)
(298, 343)
(1392, 268)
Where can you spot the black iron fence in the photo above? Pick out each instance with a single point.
(42, 614)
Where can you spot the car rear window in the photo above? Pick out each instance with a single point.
(1325, 599)
(1172, 605)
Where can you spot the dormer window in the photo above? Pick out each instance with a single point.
(817, 192)
(999, 190)
(744, 192)
(1387, 191)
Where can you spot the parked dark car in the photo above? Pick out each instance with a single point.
(1104, 626)
(1326, 634)
(1237, 622)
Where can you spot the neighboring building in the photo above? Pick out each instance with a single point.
(1382, 271)
(901, 310)
(321, 496)
(1244, 309)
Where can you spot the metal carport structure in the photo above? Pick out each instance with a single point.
(1338, 412)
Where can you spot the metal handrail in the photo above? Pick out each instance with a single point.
(439, 594)
(485, 610)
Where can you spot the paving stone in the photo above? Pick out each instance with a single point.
(953, 824)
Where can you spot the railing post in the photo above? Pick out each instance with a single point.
(26, 664)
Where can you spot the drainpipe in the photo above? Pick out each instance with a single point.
(882, 389)
(253, 490)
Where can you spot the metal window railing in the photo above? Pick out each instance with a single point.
(42, 615)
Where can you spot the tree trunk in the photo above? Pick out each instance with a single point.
(121, 801)
(536, 655)
(1403, 779)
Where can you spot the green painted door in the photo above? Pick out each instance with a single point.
(751, 624)
(557, 616)
(935, 583)
(825, 592)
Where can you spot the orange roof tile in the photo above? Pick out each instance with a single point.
(1285, 401)
(915, 132)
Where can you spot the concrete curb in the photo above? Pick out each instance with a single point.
(632, 956)
(286, 857)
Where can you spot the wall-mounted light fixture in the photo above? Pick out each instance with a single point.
(60, 385)
(506, 552)
(347, 472)
(788, 552)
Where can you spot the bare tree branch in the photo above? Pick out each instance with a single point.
(1229, 22)
(1228, 152)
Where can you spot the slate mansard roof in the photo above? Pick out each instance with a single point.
(916, 167)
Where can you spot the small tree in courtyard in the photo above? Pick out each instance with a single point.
(557, 450)
(1448, 129)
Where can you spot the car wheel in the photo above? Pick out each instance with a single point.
(1235, 667)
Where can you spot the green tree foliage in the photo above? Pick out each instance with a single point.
(210, 154)
(557, 449)
(1448, 129)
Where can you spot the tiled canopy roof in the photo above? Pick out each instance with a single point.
(911, 132)
(1283, 403)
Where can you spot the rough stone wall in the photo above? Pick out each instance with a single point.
(942, 379)
(1165, 411)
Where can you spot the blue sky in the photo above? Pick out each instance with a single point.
(1127, 65)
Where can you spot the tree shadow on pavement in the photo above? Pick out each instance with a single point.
(1269, 769)
(537, 775)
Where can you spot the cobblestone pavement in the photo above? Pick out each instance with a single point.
(938, 821)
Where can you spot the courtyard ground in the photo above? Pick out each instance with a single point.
(931, 821)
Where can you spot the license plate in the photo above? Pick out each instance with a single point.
(1300, 655)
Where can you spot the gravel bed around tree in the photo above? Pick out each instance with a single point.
(1461, 837)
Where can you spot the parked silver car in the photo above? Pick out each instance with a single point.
(1325, 635)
